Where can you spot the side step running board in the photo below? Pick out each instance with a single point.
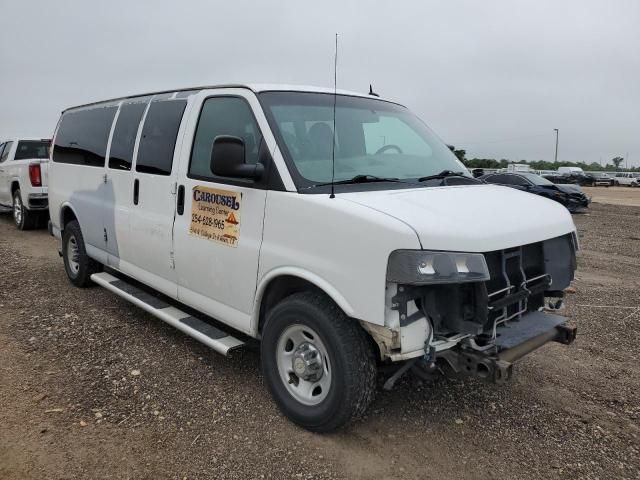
(204, 332)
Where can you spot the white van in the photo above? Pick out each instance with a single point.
(570, 171)
(233, 212)
(518, 167)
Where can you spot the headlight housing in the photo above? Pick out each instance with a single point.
(425, 267)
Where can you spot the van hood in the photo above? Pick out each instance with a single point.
(471, 218)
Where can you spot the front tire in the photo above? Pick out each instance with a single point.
(317, 362)
(23, 218)
(78, 265)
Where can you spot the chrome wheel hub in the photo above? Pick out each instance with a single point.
(17, 209)
(303, 364)
(307, 362)
(72, 254)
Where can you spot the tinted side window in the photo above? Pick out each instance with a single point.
(82, 136)
(223, 116)
(496, 179)
(1, 149)
(516, 180)
(5, 152)
(124, 136)
(158, 141)
(32, 149)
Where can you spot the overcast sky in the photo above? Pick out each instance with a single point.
(493, 77)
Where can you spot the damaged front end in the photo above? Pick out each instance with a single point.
(476, 314)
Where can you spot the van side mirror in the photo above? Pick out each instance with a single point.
(228, 159)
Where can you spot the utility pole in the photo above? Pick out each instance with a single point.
(556, 157)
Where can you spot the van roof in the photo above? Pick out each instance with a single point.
(254, 87)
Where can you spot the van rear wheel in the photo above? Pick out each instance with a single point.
(78, 265)
(318, 364)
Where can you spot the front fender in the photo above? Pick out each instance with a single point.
(304, 274)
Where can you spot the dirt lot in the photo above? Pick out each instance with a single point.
(92, 387)
(614, 195)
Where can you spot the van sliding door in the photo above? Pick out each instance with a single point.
(146, 253)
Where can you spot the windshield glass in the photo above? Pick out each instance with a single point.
(536, 179)
(373, 137)
(32, 149)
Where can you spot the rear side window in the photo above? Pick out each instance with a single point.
(517, 180)
(5, 152)
(158, 141)
(32, 149)
(223, 116)
(82, 136)
(124, 135)
(496, 179)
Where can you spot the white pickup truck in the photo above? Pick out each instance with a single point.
(24, 167)
(627, 178)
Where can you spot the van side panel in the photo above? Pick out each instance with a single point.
(310, 232)
(77, 169)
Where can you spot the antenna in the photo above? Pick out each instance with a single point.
(333, 145)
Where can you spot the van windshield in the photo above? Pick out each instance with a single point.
(373, 138)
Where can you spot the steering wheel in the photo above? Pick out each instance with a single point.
(388, 147)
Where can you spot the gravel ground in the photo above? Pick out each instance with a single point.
(92, 387)
(614, 195)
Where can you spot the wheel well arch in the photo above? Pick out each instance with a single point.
(280, 286)
(67, 215)
(15, 185)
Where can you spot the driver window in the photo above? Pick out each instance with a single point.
(223, 116)
(390, 134)
(5, 152)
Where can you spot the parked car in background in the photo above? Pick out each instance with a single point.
(578, 178)
(603, 179)
(627, 178)
(23, 180)
(571, 196)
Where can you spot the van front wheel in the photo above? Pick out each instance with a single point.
(78, 265)
(318, 364)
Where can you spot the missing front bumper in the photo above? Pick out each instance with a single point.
(513, 342)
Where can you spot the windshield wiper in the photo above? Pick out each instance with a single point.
(441, 175)
(360, 179)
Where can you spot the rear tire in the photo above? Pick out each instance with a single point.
(78, 265)
(23, 218)
(339, 380)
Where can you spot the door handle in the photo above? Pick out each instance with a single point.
(136, 191)
(180, 206)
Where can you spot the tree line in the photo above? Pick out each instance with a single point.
(615, 164)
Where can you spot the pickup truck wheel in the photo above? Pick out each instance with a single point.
(22, 217)
(318, 364)
(78, 265)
